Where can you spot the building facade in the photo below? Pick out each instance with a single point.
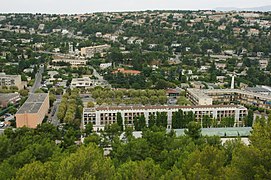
(33, 111)
(85, 82)
(102, 116)
(73, 62)
(228, 96)
(10, 98)
(10, 80)
(92, 50)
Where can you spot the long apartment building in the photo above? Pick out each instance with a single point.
(73, 62)
(228, 96)
(33, 111)
(101, 116)
(92, 50)
(10, 80)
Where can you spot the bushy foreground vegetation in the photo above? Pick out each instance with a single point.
(34, 154)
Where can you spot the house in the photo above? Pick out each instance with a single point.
(220, 78)
(173, 92)
(139, 41)
(263, 63)
(98, 34)
(10, 98)
(10, 80)
(130, 72)
(105, 65)
(253, 32)
(92, 50)
(220, 65)
(131, 40)
(85, 82)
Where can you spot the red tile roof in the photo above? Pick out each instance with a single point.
(122, 70)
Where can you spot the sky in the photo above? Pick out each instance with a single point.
(89, 6)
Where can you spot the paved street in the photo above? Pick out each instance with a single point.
(53, 115)
(38, 79)
(99, 77)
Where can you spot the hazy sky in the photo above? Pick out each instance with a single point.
(88, 6)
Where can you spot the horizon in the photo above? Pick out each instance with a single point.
(95, 6)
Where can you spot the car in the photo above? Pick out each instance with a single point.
(2, 124)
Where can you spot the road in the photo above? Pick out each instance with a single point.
(38, 79)
(53, 115)
(96, 74)
(99, 77)
(86, 98)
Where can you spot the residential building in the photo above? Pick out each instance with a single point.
(228, 96)
(102, 116)
(122, 70)
(33, 111)
(263, 63)
(73, 62)
(92, 50)
(260, 89)
(173, 92)
(10, 98)
(197, 97)
(10, 80)
(85, 82)
(105, 65)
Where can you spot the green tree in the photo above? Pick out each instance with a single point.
(87, 161)
(206, 121)
(152, 120)
(208, 163)
(146, 169)
(120, 120)
(193, 130)
(88, 128)
(90, 104)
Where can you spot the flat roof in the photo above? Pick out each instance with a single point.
(198, 93)
(9, 76)
(6, 97)
(33, 103)
(222, 132)
(263, 96)
(114, 108)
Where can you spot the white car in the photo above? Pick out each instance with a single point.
(2, 124)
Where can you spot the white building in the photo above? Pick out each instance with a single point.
(102, 116)
(105, 65)
(263, 63)
(85, 82)
(10, 80)
(228, 96)
(92, 50)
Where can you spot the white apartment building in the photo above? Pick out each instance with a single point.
(228, 96)
(92, 50)
(101, 116)
(73, 62)
(198, 97)
(10, 80)
(85, 82)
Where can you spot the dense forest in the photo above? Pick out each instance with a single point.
(49, 153)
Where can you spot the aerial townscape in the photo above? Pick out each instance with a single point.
(155, 94)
